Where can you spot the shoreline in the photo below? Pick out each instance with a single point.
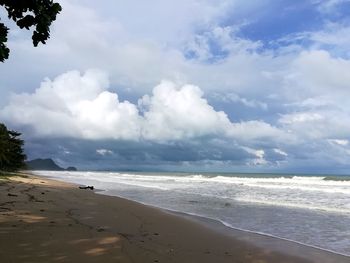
(259, 239)
(224, 226)
(102, 228)
(227, 229)
(217, 224)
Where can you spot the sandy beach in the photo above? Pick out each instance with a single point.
(44, 220)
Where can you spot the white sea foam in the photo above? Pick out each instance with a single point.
(295, 205)
(297, 191)
(306, 209)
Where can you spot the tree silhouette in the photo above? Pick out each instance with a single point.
(28, 13)
(11, 150)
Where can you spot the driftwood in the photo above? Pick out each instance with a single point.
(86, 187)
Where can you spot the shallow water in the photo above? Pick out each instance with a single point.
(313, 210)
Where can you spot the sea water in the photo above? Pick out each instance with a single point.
(312, 210)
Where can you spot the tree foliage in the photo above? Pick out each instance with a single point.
(11, 150)
(28, 13)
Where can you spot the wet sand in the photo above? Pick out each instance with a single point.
(44, 220)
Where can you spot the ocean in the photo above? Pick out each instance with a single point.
(308, 209)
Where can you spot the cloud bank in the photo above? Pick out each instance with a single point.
(80, 106)
(75, 105)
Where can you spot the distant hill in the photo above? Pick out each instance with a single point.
(71, 168)
(46, 164)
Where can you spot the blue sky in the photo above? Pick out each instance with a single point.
(231, 85)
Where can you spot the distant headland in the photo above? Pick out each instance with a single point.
(47, 164)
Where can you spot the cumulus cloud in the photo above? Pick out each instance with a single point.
(74, 105)
(80, 106)
(175, 113)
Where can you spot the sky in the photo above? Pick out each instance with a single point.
(186, 85)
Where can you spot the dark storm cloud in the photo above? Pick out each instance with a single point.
(132, 155)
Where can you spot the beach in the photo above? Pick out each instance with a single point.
(44, 220)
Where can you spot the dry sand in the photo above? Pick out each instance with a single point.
(44, 220)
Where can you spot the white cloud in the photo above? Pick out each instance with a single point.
(333, 34)
(163, 20)
(317, 124)
(320, 73)
(315, 78)
(175, 113)
(226, 42)
(328, 6)
(339, 142)
(316, 87)
(76, 106)
(80, 106)
(300, 117)
(259, 155)
(280, 152)
(104, 152)
(233, 97)
(138, 53)
(258, 130)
